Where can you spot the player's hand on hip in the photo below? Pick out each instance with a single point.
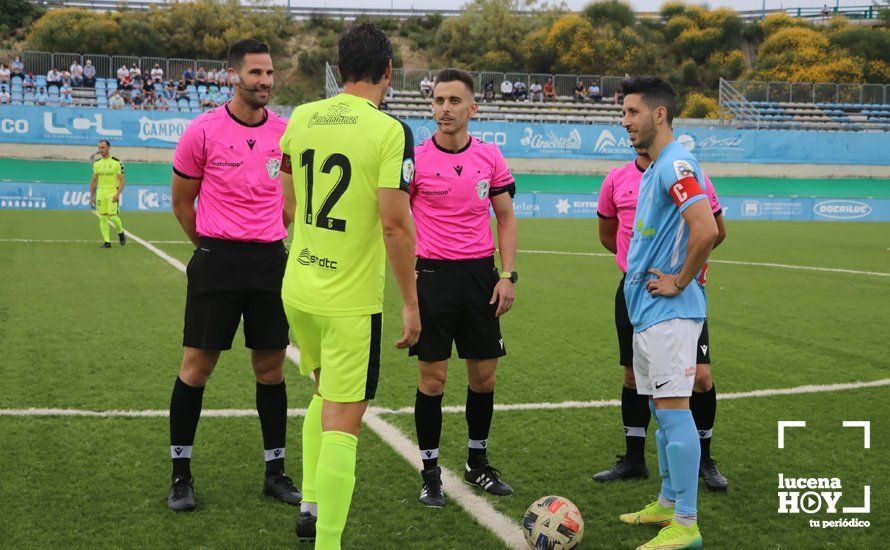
(93, 202)
(117, 198)
(503, 296)
(410, 326)
(664, 285)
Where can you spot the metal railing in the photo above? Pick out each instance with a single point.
(305, 12)
(813, 92)
(734, 106)
(331, 80)
(563, 84)
(41, 63)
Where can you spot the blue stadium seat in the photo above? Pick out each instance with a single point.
(202, 89)
(15, 102)
(29, 96)
(197, 110)
(17, 96)
(16, 80)
(191, 89)
(182, 104)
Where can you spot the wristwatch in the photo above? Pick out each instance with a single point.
(512, 275)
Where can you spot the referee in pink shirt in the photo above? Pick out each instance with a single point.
(461, 293)
(229, 159)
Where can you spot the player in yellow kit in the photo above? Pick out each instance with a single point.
(346, 171)
(105, 193)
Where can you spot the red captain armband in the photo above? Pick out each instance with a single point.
(285, 164)
(685, 189)
(703, 275)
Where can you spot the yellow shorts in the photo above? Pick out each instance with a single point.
(105, 206)
(345, 349)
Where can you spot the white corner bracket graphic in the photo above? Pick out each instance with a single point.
(866, 433)
(788, 424)
(866, 506)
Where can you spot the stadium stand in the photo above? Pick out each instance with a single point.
(806, 106)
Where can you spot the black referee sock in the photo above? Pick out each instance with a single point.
(271, 404)
(704, 410)
(636, 415)
(480, 409)
(185, 411)
(428, 423)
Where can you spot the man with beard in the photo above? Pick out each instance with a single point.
(229, 158)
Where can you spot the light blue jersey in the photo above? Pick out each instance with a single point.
(660, 236)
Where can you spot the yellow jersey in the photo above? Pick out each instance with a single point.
(107, 170)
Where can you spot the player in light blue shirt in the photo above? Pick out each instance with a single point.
(674, 231)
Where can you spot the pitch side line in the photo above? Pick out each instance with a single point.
(554, 252)
(484, 513)
(728, 262)
(377, 411)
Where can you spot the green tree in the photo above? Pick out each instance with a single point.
(73, 30)
(700, 106)
(610, 12)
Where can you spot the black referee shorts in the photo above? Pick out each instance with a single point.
(454, 298)
(626, 334)
(228, 280)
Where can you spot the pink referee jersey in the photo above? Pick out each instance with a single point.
(240, 195)
(451, 197)
(618, 199)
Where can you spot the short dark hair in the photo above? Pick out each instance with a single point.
(363, 53)
(459, 75)
(656, 92)
(105, 141)
(239, 49)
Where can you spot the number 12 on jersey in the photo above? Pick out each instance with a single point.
(323, 220)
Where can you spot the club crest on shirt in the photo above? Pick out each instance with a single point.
(408, 171)
(482, 189)
(683, 169)
(272, 167)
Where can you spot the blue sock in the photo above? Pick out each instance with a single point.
(667, 490)
(683, 453)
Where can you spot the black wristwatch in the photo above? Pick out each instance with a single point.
(512, 275)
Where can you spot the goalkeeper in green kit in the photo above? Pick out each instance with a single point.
(105, 193)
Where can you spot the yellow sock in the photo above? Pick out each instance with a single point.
(334, 483)
(103, 228)
(311, 447)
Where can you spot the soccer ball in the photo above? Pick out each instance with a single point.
(553, 523)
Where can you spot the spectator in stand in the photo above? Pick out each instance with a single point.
(17, 68)
(519, 90)
(54, 77)
(161, 103)
(148, 86)
(201, 77)
(222, 78)
(536, 92)
(76, 71)
(148, 103)
(619, 97)
(5, 74)
(40, 98)
(117, 100)
(488, 91)
(384, 105)
(826, 11)
(121, 73)
(188, 75)
(211, 78)
(29, 82)
(66, 100)
(89, 74)
(135, 73)
(4, 96)
(138, 100)
(182, 90)
(157, 73)
(549, 92)
(170, 90)
(506, 90)
(593, 92)
(126, 83)
(580, 92)
(65, 90)
(426, 88)
(66, 76)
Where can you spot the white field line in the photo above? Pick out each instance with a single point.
(377, 411)
(554, 252)
(729, 262)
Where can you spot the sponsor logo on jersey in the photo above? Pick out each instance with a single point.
(683, 169)
(226, 164)
(408, 171)
(338, 114)
(308, 258)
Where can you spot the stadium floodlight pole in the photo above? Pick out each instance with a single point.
(763, 10)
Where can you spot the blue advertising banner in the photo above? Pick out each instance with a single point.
(58, 196)
(85, 126)
(153, 198)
